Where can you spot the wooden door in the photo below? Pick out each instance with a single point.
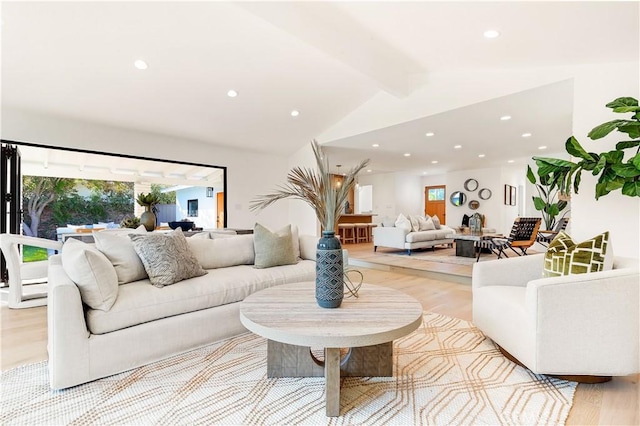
(434, 202)
(220, 210)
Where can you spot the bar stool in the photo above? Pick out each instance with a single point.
(370, 227)
(362, 232)
(347, 232)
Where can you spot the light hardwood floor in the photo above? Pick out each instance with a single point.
(24, 335)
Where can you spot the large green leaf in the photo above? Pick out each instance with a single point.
(632, 189)
(530, 175)
(626, 170)
(632, 128)
(624, 109)
(574, 148)
(562, 205)
(576, 182)
(636, 161)
(605, 128)
(600, 165)
(623, 102)
(627, 144)
(538, 203)
(552, 209)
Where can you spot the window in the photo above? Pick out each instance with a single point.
(436, 194)
(192, 208)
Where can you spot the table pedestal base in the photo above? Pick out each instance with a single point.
(284, 360)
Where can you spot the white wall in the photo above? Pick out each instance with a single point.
(248, 173)
(595, 86)
(207, 206)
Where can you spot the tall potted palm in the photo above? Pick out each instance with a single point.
(328, 201)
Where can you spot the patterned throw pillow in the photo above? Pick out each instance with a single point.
(167, 258)
(564, 257)
(273, 248)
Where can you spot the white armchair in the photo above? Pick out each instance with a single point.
(584, 327)
(20, 272)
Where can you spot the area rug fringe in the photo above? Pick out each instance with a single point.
(446, 372)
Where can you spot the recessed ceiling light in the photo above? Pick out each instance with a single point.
(457, 146)
(434, 162)
(369, 170)
(407, 154)
(542, 147)
(481, 155)
(375, 145)
(526, 135)
(295, 113)
(140, 64)
(491, 34)
(509, 161)
(424, 173)
(232, 93)
(505, 117)
(429, 134)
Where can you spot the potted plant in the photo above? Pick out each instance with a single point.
(548, 200)
(614, 170)
(148, 217)
(328, 201)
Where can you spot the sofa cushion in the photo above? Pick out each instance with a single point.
(436, 221)
(116, 245)
(92, 272)
(415, 222)
(403, 222)
(167, 258)
(223, 251)
(273, 248)
(416, 237)
(426, 224)
(565, 257)
(140, 302)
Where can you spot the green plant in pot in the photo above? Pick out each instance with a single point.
(618, 169)
(328, 201)
(547, 201)
(148, 217)
(130, 222)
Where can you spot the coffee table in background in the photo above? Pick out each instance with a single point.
(466, 243)
(289, 317)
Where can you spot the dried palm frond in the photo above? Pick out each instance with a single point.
(315, 188)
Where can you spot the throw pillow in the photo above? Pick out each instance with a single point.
(427, 224)
(565, 257)
(403, 222)
(223, 251)
(273, 248)
(166, 257)
(415, 223)
(92, 272)
(201, 235)
(436, 221)
(465, 220)
(116, 245)
(388, 222)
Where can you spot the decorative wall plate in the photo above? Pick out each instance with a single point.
(484, 193)
(471, 185)
(474, 204)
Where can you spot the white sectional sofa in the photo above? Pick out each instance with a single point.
(145, 323)
(394, 235)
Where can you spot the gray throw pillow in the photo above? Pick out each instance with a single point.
(436, 222)
(167, 258)
(273, 248)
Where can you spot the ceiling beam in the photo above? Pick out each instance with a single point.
(325, 26)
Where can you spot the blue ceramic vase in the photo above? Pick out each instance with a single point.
(329, 271)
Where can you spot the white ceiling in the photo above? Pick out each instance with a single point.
(325, 59)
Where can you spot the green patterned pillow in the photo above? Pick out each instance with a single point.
(564, 257)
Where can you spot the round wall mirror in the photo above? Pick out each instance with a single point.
(470, 184)
(458, 198)
(484, 194)
(474, 204)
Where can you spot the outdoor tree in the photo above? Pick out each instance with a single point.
(38, 192)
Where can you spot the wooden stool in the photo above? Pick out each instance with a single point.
(347, 232)
(362, 232)
(370, 227)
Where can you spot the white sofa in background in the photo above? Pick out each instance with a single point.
(573, 325)
(401, 234)
(145, 323)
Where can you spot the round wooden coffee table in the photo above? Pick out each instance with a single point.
(289, 317)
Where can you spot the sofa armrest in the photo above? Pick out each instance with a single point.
(68, 336)
(513, 271)
(596, 316)
(389, 236)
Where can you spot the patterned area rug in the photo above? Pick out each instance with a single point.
(440, 255)
(446, 372)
